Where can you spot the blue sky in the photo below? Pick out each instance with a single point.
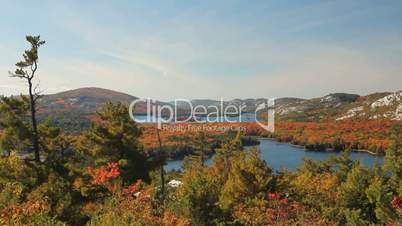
(208, 49)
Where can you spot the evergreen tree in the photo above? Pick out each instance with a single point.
(114, 138)
(353, 194)
(26, 69)
(345, 164)
(393, 159)
(379, 194)
(202, 146)
(198, 196)
(249, 176)
(161, 162)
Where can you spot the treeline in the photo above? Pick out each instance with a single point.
(371, 135)
(179, 144)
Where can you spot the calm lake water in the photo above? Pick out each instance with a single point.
(245, 117)
(279, 155)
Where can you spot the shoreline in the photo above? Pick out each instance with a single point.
(327, 150)
(301, 147)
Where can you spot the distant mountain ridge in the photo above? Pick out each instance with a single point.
(341, 106)
(81, 104)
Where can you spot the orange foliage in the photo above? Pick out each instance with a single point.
(132, 203)
(15, 213)
(103, 174)
(353, 134)
(169, 219)
(189, 130)
(276, 210)
(132, 188)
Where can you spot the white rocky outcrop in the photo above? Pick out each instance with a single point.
(351, 113)
(328, 98)
(398, 112)
(387, 100)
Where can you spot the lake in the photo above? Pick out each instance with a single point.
(244, 117)
(279, 155)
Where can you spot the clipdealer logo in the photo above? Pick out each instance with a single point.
(162, 113)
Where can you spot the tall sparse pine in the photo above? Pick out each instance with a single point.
(26, 70)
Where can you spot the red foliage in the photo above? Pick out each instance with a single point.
(397, 203)
(273, 195)
(277, 210)
(284, 201)
(101, 175)
(132, 188)
(354, 134)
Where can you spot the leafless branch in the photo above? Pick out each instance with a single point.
(37, 96)
(37, 92)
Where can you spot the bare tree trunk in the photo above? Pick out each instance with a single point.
(162, 170)
(35, 135)
(202, 156)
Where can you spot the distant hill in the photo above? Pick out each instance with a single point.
(83, 99)
(74, 109)
(315, 109)
(342, 106)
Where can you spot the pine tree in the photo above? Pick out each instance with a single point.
(26, 70)
(202, 146)
(114, 138)
(249, 176)
(222, 160)
(345, 165)
(353, 196)
(380, 195)
(161, 162)
(198, 196)
(393, 159)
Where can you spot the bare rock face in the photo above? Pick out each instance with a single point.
(388, 100)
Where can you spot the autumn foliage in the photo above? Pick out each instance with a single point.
(14, 214)
(397, 204)
(133, 203)
(113, 174)
(277, 210)
(103, 174)
(372, 135)
(369, 135)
